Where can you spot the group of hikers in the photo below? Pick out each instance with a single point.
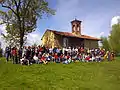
(41, 54)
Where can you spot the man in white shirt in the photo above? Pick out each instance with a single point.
(50, 50)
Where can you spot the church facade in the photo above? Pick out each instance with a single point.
(53, 38)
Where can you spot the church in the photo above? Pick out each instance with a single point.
(53, 38)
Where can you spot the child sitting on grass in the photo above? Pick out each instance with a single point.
(56, 58)
(61, 57)
(48, 57)
(43, 59)
(87, 58)
(93, 58)
(35, 58)
(24, 61)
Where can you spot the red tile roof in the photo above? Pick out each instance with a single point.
(68, 34)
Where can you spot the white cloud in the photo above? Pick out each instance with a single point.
(34, 37)
(102, 33)
(115, 20)
(2, 30)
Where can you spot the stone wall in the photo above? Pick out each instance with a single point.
(90, 44)
(58, 41)
(72, 42)
(48, 39)
(75, 42)
(53, 40)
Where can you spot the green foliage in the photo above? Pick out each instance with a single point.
(21, 17)
(74, 76)
(12, 37)
(105, 43)
(35, 44)
(114, 38)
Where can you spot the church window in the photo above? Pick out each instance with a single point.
(73, 27)
(65, 42)
(78, 28)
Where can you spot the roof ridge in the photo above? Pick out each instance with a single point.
(58, 31)
(73, 35)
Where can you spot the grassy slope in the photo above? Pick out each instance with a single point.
(75, 76)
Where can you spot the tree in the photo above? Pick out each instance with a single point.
(105, 43)
(35, 45)
(12, 37)
(114, 38)
(21, 17)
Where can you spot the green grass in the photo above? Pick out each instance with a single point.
(74, 76)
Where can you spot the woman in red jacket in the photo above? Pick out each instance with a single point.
(14, 55)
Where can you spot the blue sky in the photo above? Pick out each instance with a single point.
(95, 15)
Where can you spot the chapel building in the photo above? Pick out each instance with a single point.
(53, 38)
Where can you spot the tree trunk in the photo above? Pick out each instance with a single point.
(21, 40)
(21, 34)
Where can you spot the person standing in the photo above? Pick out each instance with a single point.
(7, 53)
(29, 54)
(19, 54)
(14, 55)
(32, 52)
(109, 56)
(1, 52)
(10, 52)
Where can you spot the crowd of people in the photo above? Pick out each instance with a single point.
(41, 54)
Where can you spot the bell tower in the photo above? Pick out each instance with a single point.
(76, 27)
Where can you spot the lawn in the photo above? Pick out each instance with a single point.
(75, 76)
